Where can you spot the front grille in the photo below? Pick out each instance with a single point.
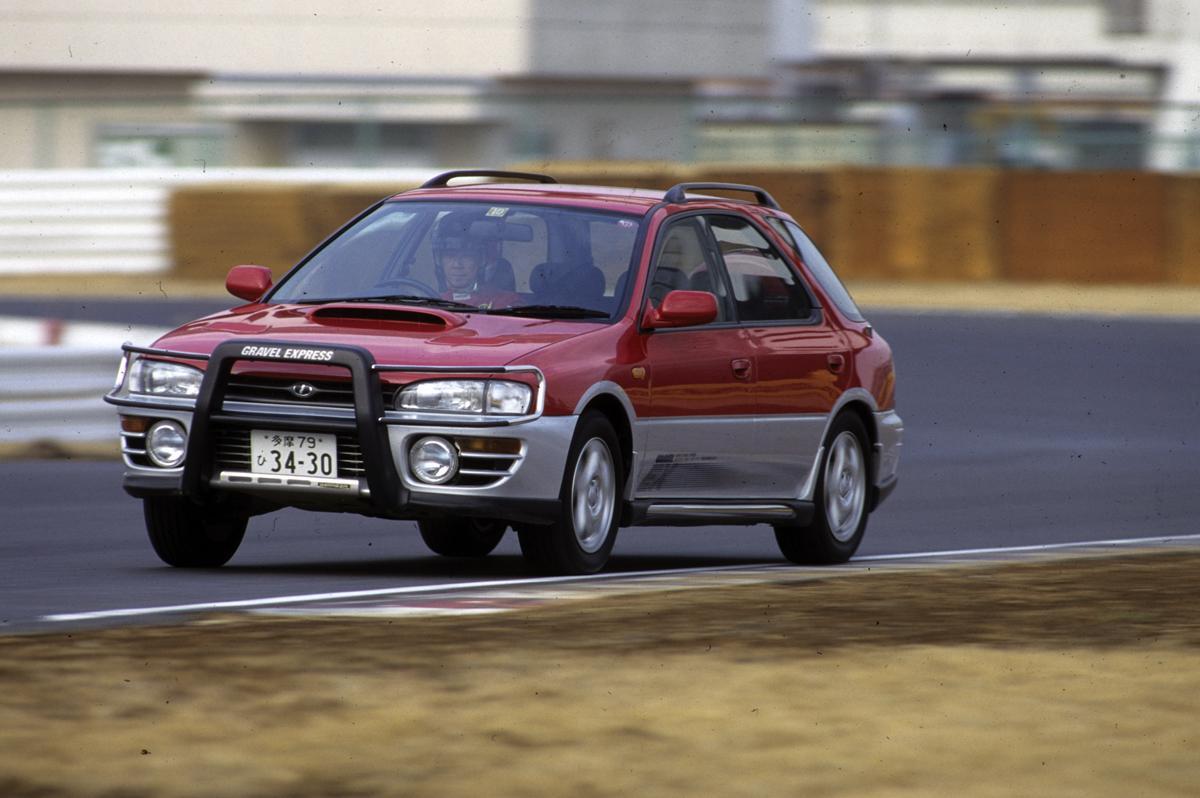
(232, 452)
(278, 391)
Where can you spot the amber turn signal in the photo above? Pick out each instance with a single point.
(489, 445)
(135, 423)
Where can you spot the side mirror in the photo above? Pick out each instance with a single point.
(248, 282)
(682, 309)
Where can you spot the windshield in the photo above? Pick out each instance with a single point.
(514, 259)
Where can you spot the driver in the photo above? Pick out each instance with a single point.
(460, 250)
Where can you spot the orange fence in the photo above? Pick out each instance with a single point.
(890, 224)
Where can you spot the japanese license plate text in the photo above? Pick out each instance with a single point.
(303, 454)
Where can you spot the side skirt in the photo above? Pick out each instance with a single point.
(741, 512)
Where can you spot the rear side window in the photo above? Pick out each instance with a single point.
(820, 269)
(765, 288)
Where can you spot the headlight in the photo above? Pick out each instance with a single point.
(508, 398)
(164, 379)
(502, 397)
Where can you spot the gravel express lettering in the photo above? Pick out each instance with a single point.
(319, 355)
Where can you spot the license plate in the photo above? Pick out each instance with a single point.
(298, 454)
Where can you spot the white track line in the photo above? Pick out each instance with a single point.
(1030, 548)
(386, 591)
(552, 580)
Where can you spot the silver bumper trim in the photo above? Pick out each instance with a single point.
(326, 486)
(891, 441)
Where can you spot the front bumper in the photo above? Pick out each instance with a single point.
(520, 486)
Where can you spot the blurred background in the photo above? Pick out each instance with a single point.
(147, 146)
(879, 122)
(1053, 84)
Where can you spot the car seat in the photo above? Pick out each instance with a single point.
(499, 276)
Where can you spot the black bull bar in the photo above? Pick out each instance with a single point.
(387, 492)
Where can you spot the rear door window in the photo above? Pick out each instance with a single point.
(765, 287)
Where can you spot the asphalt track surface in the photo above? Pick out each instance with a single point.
(1020, 430)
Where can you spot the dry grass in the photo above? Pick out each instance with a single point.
(1070, 678)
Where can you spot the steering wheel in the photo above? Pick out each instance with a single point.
(413, 286)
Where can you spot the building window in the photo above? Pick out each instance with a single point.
(1126, 16)
(159, 145)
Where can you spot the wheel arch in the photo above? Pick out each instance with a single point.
(611, 408)
(865, 415)
(861, 404)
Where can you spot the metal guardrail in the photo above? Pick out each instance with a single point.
(88, 221)
(55, 394)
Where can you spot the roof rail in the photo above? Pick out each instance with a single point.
(678, 192)
(439, 181)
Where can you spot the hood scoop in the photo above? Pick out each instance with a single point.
(352, 314)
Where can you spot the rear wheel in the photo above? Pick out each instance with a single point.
(840, 516)
(462, 537)
(581, 539)
(189, 535)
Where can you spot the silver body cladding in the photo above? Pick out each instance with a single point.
(677, 458)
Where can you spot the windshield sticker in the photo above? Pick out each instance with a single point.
(626, 223)
(501, 212)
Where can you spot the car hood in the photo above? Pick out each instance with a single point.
(393, 334)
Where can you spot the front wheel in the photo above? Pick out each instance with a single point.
(582, 538)
(840, 515)
(461, 537)
(188, 535)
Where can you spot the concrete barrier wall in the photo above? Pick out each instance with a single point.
(873, 223)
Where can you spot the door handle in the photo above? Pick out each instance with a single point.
(741, 368)
(836, 363)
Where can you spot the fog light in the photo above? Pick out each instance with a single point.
(166, 444)
(433, 460)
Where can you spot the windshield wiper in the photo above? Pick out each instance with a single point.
(559, 311)
(400, 299)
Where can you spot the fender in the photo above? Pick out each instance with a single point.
(851, 395)
(636, 433)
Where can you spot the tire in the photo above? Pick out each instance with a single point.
(582, 538)
(462, 537)
(188, 535)
(840, 514)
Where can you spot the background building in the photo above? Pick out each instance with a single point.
(353, 83)
(1048, 83)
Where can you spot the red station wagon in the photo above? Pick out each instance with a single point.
(562, 360)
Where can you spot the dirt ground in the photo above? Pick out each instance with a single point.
(1075, 677)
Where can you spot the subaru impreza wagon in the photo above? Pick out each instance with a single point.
(558, 360)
